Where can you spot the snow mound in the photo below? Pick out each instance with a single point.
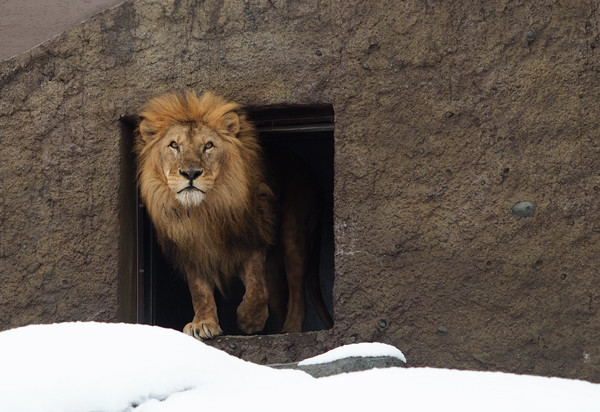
(356, 350)
(135, 368)
(112, 367)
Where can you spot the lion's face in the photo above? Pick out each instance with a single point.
(195, 151)
(191, 158)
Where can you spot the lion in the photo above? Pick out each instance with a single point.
(220, 212)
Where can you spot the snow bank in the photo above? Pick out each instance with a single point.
(117, 367)
(356, 350)
(112, 367)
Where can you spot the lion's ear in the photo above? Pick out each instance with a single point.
(231, 122)
(147, 132)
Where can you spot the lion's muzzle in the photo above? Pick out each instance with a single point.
(191, 173)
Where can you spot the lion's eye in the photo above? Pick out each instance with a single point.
(208, 146)
(174, 145)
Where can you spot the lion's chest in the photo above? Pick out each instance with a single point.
(209, 250)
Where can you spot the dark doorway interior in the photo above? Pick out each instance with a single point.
(163, 297)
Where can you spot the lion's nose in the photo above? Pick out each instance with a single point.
(191, 173)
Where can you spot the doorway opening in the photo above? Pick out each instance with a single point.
(161, 293)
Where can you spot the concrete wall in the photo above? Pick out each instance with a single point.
(447, 114)
(27, 23)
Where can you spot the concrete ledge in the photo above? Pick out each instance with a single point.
(345, 365)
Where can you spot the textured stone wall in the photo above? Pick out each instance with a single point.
(447, 114)
(25, 24)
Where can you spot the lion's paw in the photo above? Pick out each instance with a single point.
(202, 330)
(252, 319)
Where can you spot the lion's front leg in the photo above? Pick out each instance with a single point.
(206, 322)
(253, 312)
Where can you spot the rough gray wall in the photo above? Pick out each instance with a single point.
(447, 114)
(27, 23)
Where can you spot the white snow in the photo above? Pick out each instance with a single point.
(356, 350)
(118, 367)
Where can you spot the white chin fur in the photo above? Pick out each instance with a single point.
(190, 198)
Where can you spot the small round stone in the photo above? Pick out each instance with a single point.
(366, 66)
(319, 53)
(524, 208)
(442, 330)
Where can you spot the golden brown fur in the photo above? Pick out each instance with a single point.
(203, 181)
(237, 202)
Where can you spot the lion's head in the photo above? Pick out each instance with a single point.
(195, 150)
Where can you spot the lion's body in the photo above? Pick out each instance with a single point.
(204, 182)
